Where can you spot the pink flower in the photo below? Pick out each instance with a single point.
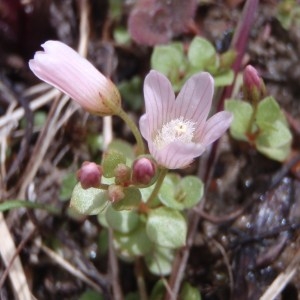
(61, 66)
(177, 130)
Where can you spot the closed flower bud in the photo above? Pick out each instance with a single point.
(122, 174)
(115, 193)
(143, 171)
(89, 175)
(254, 87)
(62, 67)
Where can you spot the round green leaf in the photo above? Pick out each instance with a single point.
(88, 201)
(242, 113)
(166, 194)
(169, 60)
(166, 227)
(133, 244)
(193, 189)
(201, 51)
(122, 221)
(268, 112)
(159, 262)
(275, 141)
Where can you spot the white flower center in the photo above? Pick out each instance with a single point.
(175, 130)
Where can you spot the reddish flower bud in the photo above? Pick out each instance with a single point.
(122, 174)
(115, 193)
(254, 87)
(143, 171)
(89, 175)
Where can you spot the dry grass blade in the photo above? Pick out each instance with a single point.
(34, 105)
(16, 272)
(70, 268)
(282, 279)
(44, 141)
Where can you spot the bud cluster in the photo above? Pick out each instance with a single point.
(142, 173)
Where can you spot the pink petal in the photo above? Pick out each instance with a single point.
(61, 66)
(65, 69)
(144, 127)
(215, 127)
(194, 99)
(176, 155)
(159, 98)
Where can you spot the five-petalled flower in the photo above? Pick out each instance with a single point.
(62, 67)
(177, 131)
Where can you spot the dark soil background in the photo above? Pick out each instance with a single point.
(249, 224)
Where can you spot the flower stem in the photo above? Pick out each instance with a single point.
(160, 179)
(135, 131)
(125, 117)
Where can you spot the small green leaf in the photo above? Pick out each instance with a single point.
(88, 201)
(242, 113)
(268, 111)
(131, 199)
(122, 221)
(189, 293)
(133, 244)
(193, 189)
(275, 141)
(180, 195)
(166, 194)
(169, 60)
(200, 53)
(159, 261)
(111, 159)
(166, 227)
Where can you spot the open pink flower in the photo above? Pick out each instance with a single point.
(62, 67)
(177, 130)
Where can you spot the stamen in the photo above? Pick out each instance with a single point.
(175, 130)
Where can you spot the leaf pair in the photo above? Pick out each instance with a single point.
(265, 126)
